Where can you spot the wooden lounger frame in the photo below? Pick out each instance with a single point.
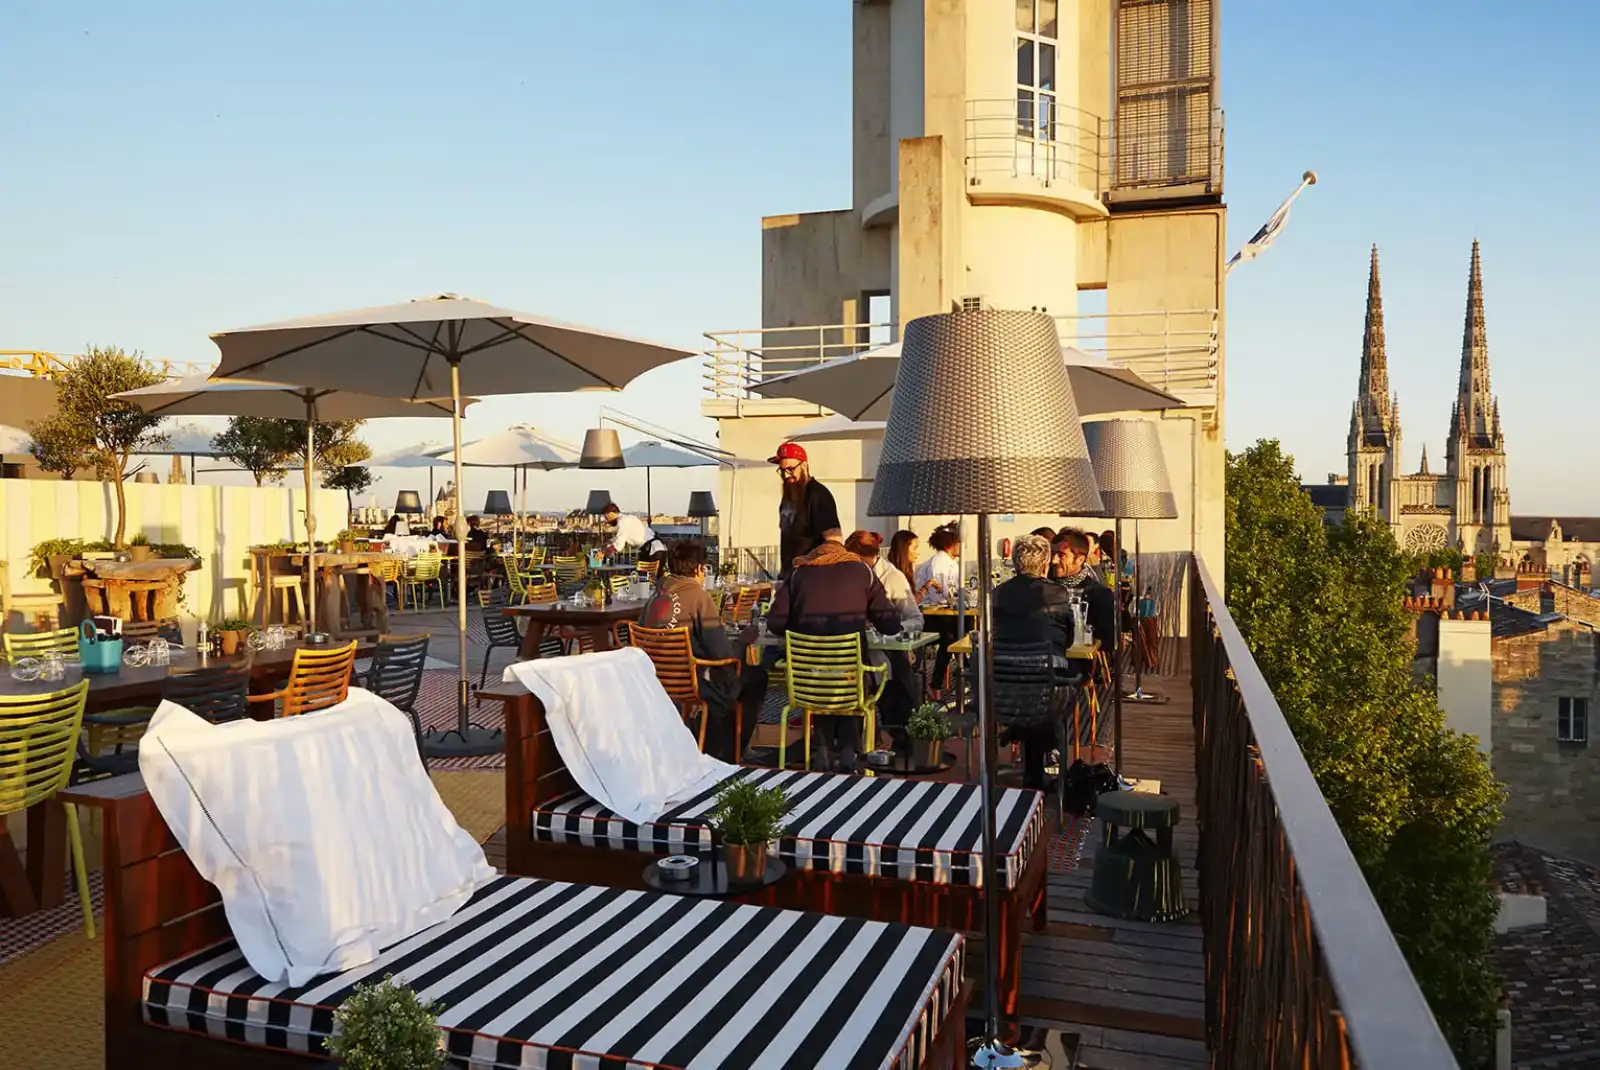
(157, 908)
(536, 774)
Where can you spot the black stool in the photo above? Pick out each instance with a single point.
(1136, 877)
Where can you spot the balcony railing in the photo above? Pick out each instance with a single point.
(1301, 968)
(1034, 137)
(1175, 350)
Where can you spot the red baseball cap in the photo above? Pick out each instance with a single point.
(789, 451)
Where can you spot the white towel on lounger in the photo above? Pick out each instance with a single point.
(323, 832)
(621, 737)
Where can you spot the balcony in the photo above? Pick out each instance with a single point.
(1035, 152)
(1175, 350)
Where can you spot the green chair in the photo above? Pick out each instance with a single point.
(63, 641)
(826, 676)
(38, 746)
(425, 569)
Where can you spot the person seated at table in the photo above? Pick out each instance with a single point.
(681, 600)
(834, 592)
(903, 556)
(632, 533)
(900, 697)
(1028, 608)
(396, 520)
(1072, 561)
(939, 577)
(441, 528)
(477, 538)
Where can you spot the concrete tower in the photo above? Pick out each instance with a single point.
(1475, 452)
(1373, 449)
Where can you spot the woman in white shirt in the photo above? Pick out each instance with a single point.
(868, 545)
(939, 577)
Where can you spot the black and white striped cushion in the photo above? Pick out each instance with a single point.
(920, 830)
(543, 974)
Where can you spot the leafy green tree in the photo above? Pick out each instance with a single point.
(258, 445)
(1322, 613)
(91, 428)
(352, 479)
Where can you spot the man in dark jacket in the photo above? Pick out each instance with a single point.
(806, 511)
(834, 592)
(1030, 608)
(682, 601)
(1072, 560)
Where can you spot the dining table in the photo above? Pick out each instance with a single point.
(597, 621)
(371, 616)
(40, 883)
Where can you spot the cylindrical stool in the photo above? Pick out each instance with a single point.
(1135, 876)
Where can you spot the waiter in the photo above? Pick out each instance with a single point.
(632, 533)
(806, 511)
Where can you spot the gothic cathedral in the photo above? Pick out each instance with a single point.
(1469, 506)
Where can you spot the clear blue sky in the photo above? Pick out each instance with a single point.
(175, 168)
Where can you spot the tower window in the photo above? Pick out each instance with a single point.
(1036, 69)
(1572, 720)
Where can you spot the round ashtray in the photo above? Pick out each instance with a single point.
(879, 758)
(677, 867)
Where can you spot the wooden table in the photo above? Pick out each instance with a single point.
(134, 590)
(332, 602)
(39, 885)
(598, 621)
(1081, 652)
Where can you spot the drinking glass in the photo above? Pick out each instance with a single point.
(26, 670)
(160, 651)
(136, 656)
(276, 637)
(54, 666)
(256, 641)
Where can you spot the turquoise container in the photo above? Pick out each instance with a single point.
(98, 655)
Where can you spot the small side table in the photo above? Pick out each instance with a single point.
(1136, 876)
(710, 879)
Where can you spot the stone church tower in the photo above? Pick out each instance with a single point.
(1475, 452)
(1373, 449)
(1469, 505)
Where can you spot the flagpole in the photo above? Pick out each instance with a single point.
(1269, 231)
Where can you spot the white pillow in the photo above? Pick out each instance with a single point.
(323, 832)
(618, 732)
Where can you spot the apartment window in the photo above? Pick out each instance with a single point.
(1572, 720)
(1036, 69)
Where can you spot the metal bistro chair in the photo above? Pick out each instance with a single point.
(744, 604)
(38, 744)
(502, 631)
(317, 679)
(142, 631)
(63, 641)
(426, 568)
(571, 573)
(1027, 693)
(827, 676)
(677, 668)
(396, 676)
(218, 693)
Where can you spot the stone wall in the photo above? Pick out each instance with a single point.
(1564, 600)
(1552, 789)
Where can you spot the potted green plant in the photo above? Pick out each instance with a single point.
(928, 728)
(596, 590)
(346, 540)
(139, 547)
(232, 630)
(747, 818)
(386, 1026)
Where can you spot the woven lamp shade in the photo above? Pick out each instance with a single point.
(701, 504)
(598, 500)
(601, 449)
(408, 501)
(983, 421)
(1131, 471)
(498, 503)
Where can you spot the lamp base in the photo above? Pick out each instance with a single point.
(1149, 698)
(998, 1055)
(475, 742)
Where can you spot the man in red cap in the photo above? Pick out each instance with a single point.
(807, 510)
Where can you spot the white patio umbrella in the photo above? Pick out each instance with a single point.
(15, 440)
(837, 428)
(442, 346)
(861, 386)
(417, 455)
(519, 448)
(199, 396)
(185, 440)
(648, 455)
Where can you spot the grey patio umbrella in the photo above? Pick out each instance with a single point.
(445, 346)
(519, 448)
(861, 386)
(416, 455)
(199, 396)
(648, 455)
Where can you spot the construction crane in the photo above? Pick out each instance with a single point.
(42, 365)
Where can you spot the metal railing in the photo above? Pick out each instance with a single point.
(1176, 350)
(736, 359)
(1301, 967)
(1035, 137)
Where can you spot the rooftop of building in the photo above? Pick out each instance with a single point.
(1573, 528)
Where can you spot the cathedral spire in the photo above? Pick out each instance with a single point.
(1424, 459)
(1474, 402)
(1373, 399)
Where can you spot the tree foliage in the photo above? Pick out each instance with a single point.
(268, 448)
(352, 479)
(90, 428)
(1322, 613)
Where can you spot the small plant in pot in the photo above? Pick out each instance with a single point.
(928, 728)
(386, 1026)
(139, 548)
(231, 632)
(346, 540)
(747, 818)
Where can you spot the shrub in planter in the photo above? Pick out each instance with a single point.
(232, 630)
(747, 818)
(387, 1027)
(139, 547)
(928, 728)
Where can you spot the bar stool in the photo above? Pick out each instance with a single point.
(1137, 877)
(289, 585)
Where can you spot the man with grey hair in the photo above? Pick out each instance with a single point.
(1028, 609)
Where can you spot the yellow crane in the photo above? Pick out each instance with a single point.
(42, 365)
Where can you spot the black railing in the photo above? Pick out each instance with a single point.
(1301, 968)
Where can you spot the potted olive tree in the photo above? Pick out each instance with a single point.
(386, 1026)
(928, 728)
(747, 818)
(346, 540)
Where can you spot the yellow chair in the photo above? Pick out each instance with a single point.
(620, 581)
(425, 569)
(38, 744)
(826, 676)
(387, 571)
(648, 568)
(63, 641)
(571, 572)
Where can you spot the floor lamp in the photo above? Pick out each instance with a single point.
(983, 422)
(1133, 485)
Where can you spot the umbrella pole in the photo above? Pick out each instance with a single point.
(311, 523)
(649, 509)
(461, 555)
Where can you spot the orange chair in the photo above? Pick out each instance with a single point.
(744, 604)
(317, 679)
(679, 672)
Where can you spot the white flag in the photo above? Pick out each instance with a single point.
(1273, 227)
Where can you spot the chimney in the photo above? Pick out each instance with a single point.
(1444, 588)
